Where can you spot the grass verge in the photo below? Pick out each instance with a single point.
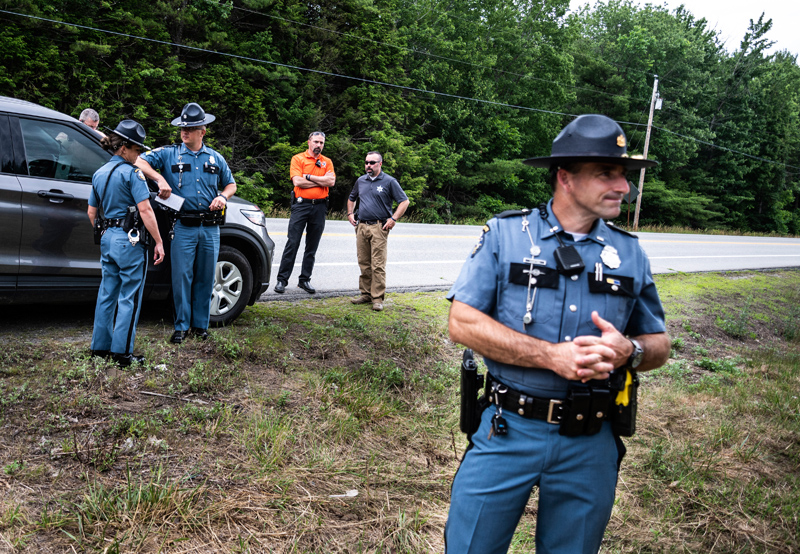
(318, 426)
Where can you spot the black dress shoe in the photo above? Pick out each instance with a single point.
(306, 286)
(124, 360)
(280, 287)
(178, 336)
(199, 333)
(101, 353)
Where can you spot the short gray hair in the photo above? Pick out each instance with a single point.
(89, 113)
(380, 157)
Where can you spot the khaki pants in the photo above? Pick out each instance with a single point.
(371, 242)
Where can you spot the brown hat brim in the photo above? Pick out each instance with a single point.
(628, 163)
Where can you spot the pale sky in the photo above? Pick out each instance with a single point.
(732, 17)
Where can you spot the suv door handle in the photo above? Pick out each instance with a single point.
(55, 196)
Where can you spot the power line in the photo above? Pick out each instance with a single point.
(288, 66)
(428, 54)
(381, 83)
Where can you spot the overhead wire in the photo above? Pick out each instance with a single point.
(370, 81)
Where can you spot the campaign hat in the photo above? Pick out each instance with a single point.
(591, 138)
(193, 115)
(131, 131)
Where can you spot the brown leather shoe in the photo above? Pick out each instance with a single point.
(377, 306)
(361, 300)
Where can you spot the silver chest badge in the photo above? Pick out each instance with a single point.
(610, 257)
(212, 160)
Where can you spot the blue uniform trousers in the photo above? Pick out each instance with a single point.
(308, 217)
(194, 253)
(576, 476)
(124, 269)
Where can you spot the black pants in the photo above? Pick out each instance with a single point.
(308, 217)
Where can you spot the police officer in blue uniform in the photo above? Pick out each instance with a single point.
(555, 299)
(117, 189)
(202, 178)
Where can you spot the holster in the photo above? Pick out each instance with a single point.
(624, 388)
(471, 384)
(99, 228)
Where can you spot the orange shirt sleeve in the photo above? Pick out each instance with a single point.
(296, 167)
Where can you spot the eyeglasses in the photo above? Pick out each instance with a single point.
(316, 133)
(371, 162)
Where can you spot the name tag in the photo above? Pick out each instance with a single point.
(214, 169)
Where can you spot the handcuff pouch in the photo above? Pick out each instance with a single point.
(575, 416)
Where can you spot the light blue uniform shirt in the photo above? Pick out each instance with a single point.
(196, 176)
(494, 280)
(127, 187)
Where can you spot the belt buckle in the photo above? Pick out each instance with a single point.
(553, 403)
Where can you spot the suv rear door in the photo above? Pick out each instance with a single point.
(10, 213)
(57, 250)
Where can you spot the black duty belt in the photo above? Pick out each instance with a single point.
(203, 218)
(115, 222)
(373, 221)
(312, 201)
(550, 410)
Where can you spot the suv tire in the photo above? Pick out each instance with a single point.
(233, 285)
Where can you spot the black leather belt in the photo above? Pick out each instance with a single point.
(532, 407)
(373, 221)
(312, 201)
(115, 222)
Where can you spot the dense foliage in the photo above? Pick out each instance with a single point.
(454, 93)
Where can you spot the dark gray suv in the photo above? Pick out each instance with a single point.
(47, 251)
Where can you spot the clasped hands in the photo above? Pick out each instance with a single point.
(591, 357)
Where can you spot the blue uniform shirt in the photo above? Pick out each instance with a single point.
(495, 277)
(196, 176)
(127, 187)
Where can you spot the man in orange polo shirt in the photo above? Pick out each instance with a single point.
(312, 175)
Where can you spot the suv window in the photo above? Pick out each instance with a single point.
(60, 151)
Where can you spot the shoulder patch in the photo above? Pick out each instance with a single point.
(139, 174)
(479, 245)
(618, 230)
(512, 213)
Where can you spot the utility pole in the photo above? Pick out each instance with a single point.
(646, 147)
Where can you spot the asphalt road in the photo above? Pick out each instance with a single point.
(426, 257)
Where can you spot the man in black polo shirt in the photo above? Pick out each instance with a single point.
(376, 191)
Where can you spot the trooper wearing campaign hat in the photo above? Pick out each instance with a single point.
(555, 299)
(117, 187)
(201, 176)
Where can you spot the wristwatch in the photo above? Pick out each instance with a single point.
(636, 356)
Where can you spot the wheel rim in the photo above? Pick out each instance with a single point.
(228, 284)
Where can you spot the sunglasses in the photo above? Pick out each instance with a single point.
(371, 162)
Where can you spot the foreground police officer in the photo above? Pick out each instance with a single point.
(195, 172)
(550, 334)
(117, 187)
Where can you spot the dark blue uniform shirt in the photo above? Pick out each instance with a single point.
(127, 187)
(494, 280)
(196, 176)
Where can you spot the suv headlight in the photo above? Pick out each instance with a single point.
(256, 217)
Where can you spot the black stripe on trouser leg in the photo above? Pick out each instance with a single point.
(135, 311)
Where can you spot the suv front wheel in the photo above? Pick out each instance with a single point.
(233, 285)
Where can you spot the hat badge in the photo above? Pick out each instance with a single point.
(621, 141)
